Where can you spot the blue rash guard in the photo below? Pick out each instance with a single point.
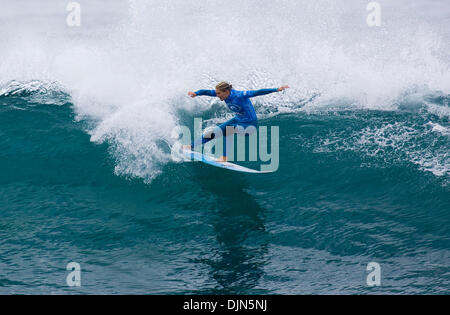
(238, 102)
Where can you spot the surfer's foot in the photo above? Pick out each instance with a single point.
(222, 159)
(187, 147)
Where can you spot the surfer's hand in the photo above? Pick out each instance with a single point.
(284, 87)
(192, 94)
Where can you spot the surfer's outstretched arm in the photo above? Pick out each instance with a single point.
(211, 93)
(264, 91)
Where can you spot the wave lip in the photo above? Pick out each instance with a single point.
(36, 91)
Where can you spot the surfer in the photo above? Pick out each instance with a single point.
(238, 102)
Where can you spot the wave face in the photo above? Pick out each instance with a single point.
(129, 76)
(86, 116)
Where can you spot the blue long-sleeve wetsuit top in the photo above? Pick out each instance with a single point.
(239, 102)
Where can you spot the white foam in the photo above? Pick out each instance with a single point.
(439, 128)
(131, 74)
(439, 110)
(393, 143)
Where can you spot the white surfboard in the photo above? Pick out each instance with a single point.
(212, 161)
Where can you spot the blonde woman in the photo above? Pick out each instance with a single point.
(238, 102)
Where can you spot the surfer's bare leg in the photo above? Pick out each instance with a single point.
(229, 131)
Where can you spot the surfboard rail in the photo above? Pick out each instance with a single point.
(197, 156)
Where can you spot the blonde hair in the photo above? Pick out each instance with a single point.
(224, 86)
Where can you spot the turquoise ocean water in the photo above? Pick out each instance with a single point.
(86, 175)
